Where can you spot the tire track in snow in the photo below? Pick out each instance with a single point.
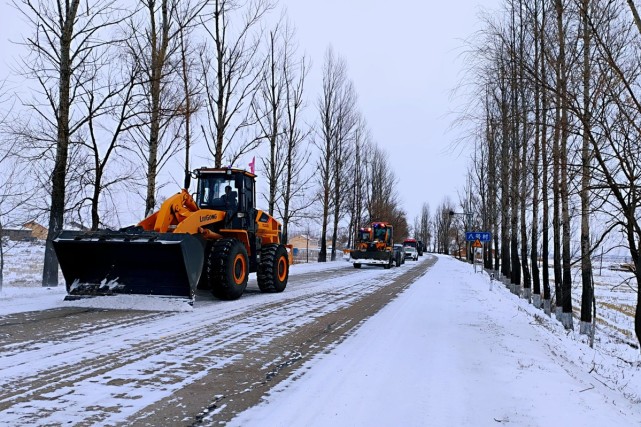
(115, 363)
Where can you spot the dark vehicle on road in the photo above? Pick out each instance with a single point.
(399, 255)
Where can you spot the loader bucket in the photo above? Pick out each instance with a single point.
(147, 263)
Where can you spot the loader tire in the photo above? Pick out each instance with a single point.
(273, 270)
(357, 265)
(204, 282)
(227, 269)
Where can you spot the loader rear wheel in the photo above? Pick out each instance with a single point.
(227, 269)
(273, 270)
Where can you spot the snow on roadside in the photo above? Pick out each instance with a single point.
(21, 299)
(512, 355)
(22, 290)
(450, 351)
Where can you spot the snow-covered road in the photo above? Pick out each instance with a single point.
(73, 363)
(451, 352)
(453, 348)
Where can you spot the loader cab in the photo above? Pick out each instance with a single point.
(229, 190)
(383, 232)
(364, 235)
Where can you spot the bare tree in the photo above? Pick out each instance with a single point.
(154, 40)
(342, 152)
(506, 269)
(582, 67)
(539, 139)
(545, 220)
(359, 178)
(383, 200)
(65, 38)
(615, 131)
(295, 141)
(277, 108)
(587, 295)
(192, 101)
(110, 114)
(562, 124)
(232, 75)
(268, 106)
(334, 80)
(13, 191)
(425, 221)
(524, 94)
(443, 226)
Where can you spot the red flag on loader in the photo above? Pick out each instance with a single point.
(252, 164)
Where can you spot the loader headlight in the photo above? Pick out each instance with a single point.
(240, 214)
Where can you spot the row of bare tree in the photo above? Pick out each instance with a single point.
(111, 96)
(557, 159)
(355, 177)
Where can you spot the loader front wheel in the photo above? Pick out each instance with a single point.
(204, 283)
(227, 269)
(273, 270)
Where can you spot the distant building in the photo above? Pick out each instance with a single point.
(303, 241)
(29, 232)
(38, 231)
(305, 248)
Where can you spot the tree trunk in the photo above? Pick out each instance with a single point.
(515, 138)
(556, 166)
(58, 177)
(545, 238)
(636, 258)
(158, 57)
(527, 280)
(322, 255)
(538, 57)
(505, 184)
(95, 199)
(587, 295)
(566, 293)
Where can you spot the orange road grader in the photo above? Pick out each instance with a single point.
(374, 246)
(211, 242)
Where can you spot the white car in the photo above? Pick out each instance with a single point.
(410, 252)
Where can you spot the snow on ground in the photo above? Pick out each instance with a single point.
(454, 349)
(450, 351)
(22, 291)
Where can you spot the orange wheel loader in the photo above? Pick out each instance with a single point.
(212, 242)
(374, 246)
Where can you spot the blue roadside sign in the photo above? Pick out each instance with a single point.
(483, 236)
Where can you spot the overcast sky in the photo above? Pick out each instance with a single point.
(404, 58)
